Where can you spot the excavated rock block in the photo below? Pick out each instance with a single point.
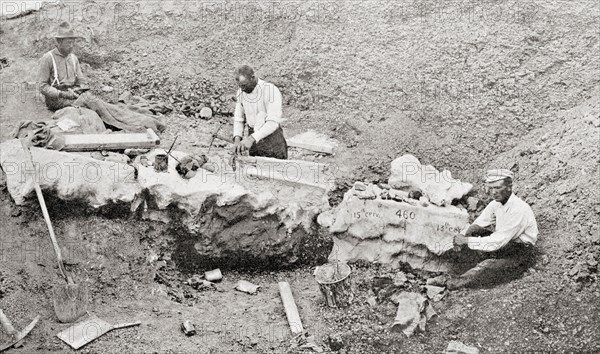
(220, 216)
(69, 176)
(392, 232)
(233, 215)
(439, 187)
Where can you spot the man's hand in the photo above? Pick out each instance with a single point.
(476, 230)
(247, 142)
(460, 240)
(70, 94)
(237, 145)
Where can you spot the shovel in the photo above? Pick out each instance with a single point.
(70, 300)
(82, 333)
(16, 336)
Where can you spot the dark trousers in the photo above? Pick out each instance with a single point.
(508, 263)
(54, 104)
(273, 145)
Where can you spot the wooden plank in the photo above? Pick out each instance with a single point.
(98, 142)
(326, 149)
(291, 311)
(314, 141)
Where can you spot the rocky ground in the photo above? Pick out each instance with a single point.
(463, 86)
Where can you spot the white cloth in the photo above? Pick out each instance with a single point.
(514, 221)
(261, 109)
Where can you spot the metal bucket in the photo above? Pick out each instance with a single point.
(334, 282)
(161, 163)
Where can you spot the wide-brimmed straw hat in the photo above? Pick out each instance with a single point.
(66, 31)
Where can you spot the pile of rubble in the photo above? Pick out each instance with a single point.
(582, 262)
(188, 96)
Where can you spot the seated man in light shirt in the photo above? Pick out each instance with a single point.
(259, 105)
(59, 73)
(509, 245)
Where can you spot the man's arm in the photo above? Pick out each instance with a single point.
(80, 79)
(45, 76)
(487, 216)
(274, 113)
(476, 230)
(238, 116)
(512, 227)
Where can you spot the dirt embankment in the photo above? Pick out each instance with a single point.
(462, 86)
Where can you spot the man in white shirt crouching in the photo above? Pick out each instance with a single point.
(510, 245)
(259, 105)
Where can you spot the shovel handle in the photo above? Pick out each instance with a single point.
(6, 325)
(40, 196)
(125, 325)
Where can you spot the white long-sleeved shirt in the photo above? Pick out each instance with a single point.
(261, 109)
(514, 221)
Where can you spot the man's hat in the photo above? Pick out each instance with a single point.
(497, 175)
(66, 31)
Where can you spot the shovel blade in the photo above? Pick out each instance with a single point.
(70, 302)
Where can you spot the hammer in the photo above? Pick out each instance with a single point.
(216, 135)
(224, 138)
(17, 336)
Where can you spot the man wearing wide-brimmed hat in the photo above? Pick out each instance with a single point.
(63, 84)
(508, 246)
(59, 76)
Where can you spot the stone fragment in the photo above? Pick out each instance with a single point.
(213, 275)
(440, 188)
(246, 287)
(335, 342)
(472, 203)
(188, 328)
(440, 280)
(435, 293)
(195, 281)
(456, 347)
(206, 113)
(360, 186)
(399, 279)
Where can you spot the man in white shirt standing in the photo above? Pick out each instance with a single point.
(509, 245)
(259, 105)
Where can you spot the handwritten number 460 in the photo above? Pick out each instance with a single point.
(406, 214)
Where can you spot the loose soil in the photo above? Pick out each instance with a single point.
(461, 86)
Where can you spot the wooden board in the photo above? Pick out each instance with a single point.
(291, 311)
(326, 149)
(313, 141)
(118, 141)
